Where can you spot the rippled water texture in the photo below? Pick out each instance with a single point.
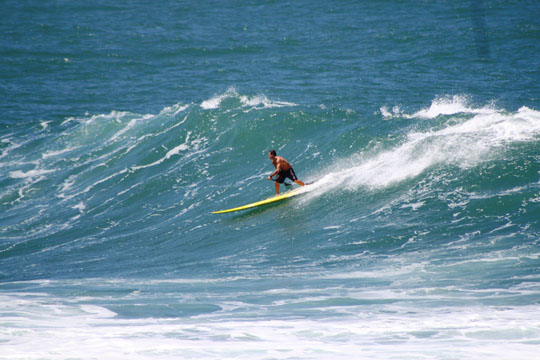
(124, 125)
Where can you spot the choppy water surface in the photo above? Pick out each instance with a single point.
(123, 126)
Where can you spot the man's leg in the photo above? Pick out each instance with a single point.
(292, 176)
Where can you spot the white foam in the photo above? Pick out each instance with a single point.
(349, 321)
(387, 114)
(252, 102)
(445, 105)
(130, 125)
(129, 146)
(462, 142)
(195, 144)
(18, 174)
(38, 326)
(173, 110)
(214, 102)
(90, 187)
(414, 206)
(264, 101)
(49, 154)
(80, 206)
(44, 124)
(451, 105)
(12, 146)
(389, 271)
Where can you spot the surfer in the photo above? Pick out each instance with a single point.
(283, 170)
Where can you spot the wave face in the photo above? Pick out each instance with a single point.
(124, 125)
(428, 231)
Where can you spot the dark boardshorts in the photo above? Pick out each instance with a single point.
(282, 175)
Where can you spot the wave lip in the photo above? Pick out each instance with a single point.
(445, 105)
(246, 101)
(465, 142)
(457, 104)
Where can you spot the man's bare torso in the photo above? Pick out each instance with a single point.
(282, 163)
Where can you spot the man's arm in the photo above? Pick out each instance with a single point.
(278, 169)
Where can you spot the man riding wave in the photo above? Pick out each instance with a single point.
(283, 170)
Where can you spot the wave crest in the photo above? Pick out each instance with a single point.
(258, 101)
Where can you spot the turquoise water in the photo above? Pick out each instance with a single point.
(125, 124)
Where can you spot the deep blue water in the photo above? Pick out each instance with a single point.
(125, 124)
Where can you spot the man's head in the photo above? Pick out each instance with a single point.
(272, 154)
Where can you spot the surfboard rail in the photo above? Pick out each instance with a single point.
(269, 200)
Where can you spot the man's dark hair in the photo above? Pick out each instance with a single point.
(273, 152)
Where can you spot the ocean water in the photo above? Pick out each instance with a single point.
(124, 124)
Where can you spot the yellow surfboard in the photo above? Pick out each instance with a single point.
(287, 195)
